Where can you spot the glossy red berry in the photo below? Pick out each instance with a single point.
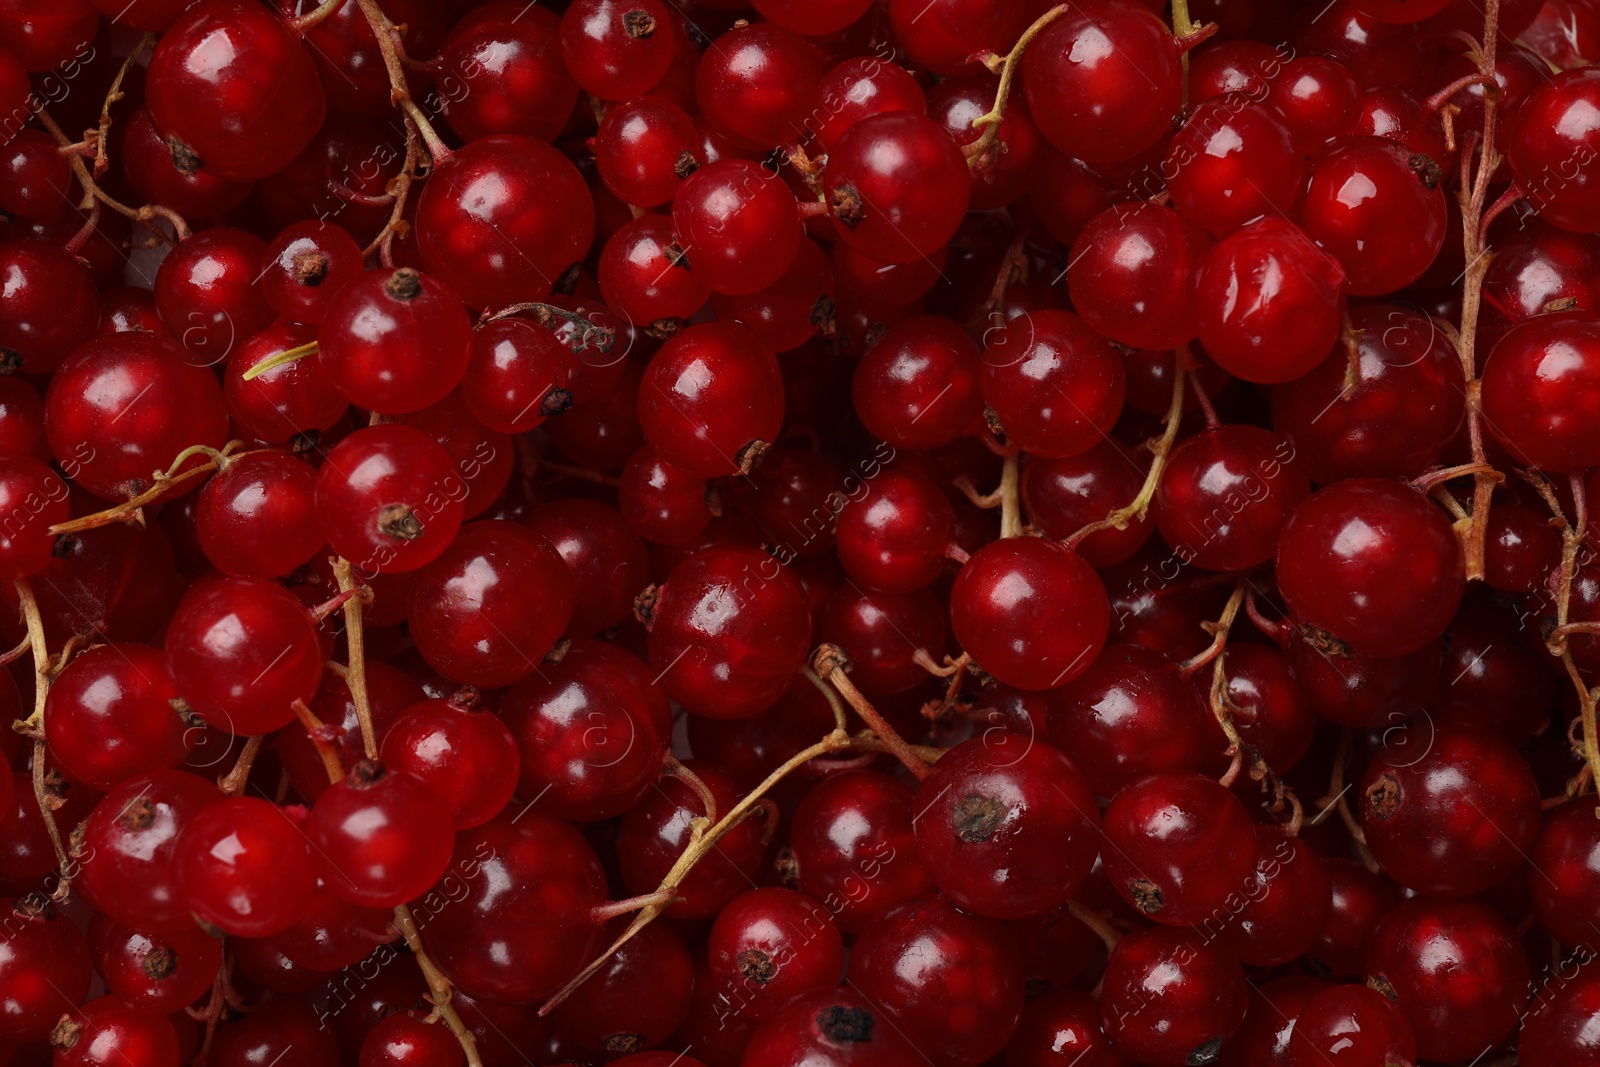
(305, 266)
(896, 186)
(1559, 1026)
(617, 49)
(1269, 302)
(853, 846)
(500, 71)
(209, 293)
(645, 147)
(506, 218)
(647, 277)
(858, 88)
(1234, 160)
(234, 87)
(1551, 136)
(757, 85)
(469, 759)
(827, 1028)
(241, 651)
(1055, 385)
(1129, 275)
(1348, 1026)
(726, 606)
(663, 504)
(1062, 496)
(1286, 903)
(381, 834)
(45, 967)
(1373, 563)
(592, 731)
(106, 1031)
(895, 535)
(157, 973)
(769, 946)
(1226, 494)
(711, 400)
(1386, 235)
(113, 714)
(1564, 873)
(256, 518)
(1172, 999)
(1360, 900)
(125, 859)
(1007, 826)
(1104, 81)
(1004, 178)
(487, 610)
(1536, 391)
(32, 498)
(1031, 612)
(243, 866)
(655, 832)
(737, 224)
(403, 1040)
(951, 979)
(1457, 971)
(51, 306)
(1177, 845)
(395, 341)
(389, 499)
(919, 387)
(294, 401)
(37, 181)
(121, 408)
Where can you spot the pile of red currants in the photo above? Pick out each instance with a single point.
(799, 533)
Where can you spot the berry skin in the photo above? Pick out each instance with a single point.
(896, 535)
(1178, 846)
(1553, 135)
(106, 1032)
(712, 400)
(1566, 870)
(758, 85)
(1373, 563)
(389, 499)
(1172, 999)
(487, 610)
(592, 731)
(158, 974)
(738, 225)
(511, 915)
(468, 759)
(235, 88)
(896, 186)
(1032, 613)
(257, 517)
(1233, 161)
(1225, 495)
(1559, 1028)
(615, 49)
(1129, 275)
(44, 970)
(402, 1040)
(1456, 969)
(32, 498)
(51, 306)
(209, 293)
(508, 217)
(305, 266)
(730, 626)
(918, 387)
(381, 834)
(1283, 314)
(769, 946)
(644, 149)
(1007, 826)
(1538, 388)
(502, 73)
(395, 341)
(241, 651)
(1351, 1026)
(824, 1028)
(243, 866)
(1104, 80)
(951, 979)
(1054, 384)
(113, 714)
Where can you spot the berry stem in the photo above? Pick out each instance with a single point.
(699, 846)
(1473, 197)
(587, 332)
(978, 151)
(1010, 498)
(673, 767)
(661, 898)
(92, 191)
(280, 359)
(34, 727)
(318, 731)
(1095, 921)
(840, 721)
(1336, 800)
(233, 782)
(355, 640)
(1159, 449)
(389, 46)
(829, 663)
(102, 155)
(303, 24)
(163, 482)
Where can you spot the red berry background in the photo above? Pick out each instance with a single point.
(799, 533)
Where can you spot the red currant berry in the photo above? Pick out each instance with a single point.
(154, 973)
(897, 187)
(1373, 563)
(646, 275)
(1225, 495)
(381, 834)
(1055, 385)
(644, 149)
(209, 294)
(1171, 998)
(233, 85)
(501, 71)
(1129, 275)
(402, 1040)
(1536, 391)
(107, 1032)
(1550, 134)
(243, 866)
(294, 401)
(32, 498)
(663, 504)
(241, 651)
(1351, 1026)
(51, 306)
(1007, 826)
(1566, 870)
(1559, 1028)
(35, 179)
(757, 84)
(1032, 613)
(305, 266)
(918, 387)
(1360, 901)
(616, 49)
(1234, 160)
(389, 499)
(738, 224)
(711, 401)
(1178, 845)
(113, 714)
(256, 518)
(769, 946)
(1386, 237)
(858, 88)
(395, 341)
(44, 970)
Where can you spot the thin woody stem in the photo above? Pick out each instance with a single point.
(355, 640)
(91, 189)
(828, 662)
(1005, 66)
(163, 483)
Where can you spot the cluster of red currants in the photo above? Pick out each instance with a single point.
(799, 533)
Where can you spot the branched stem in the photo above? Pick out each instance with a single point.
(92, 190)
(163, 482)
(1160, 448)
(829, 663)
(102, 154)
(587, 333)
(979, 151)
(355, 641)
(34, 727)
